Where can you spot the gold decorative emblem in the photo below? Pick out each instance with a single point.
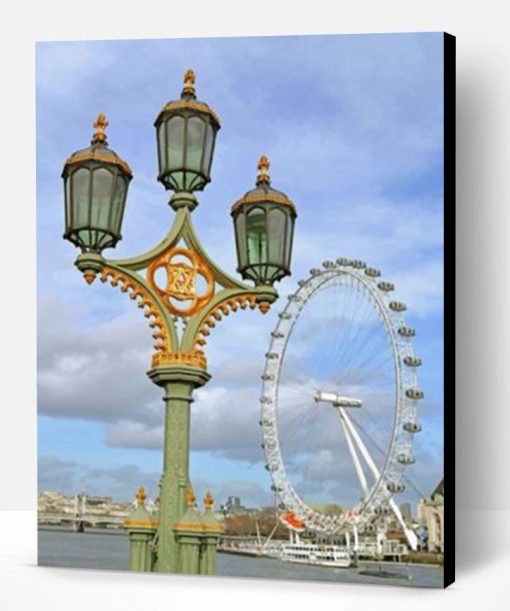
(181, 281)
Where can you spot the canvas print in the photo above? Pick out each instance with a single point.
(242, 250)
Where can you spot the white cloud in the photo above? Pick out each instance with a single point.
(70, 477)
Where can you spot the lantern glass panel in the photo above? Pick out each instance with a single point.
(80, 198)
(175, 143)
(68, 201)
(257, 236)
(276, 236)
(102, 182)
(206, 162)
(161, 147)
(240, 231)
(118, 204)
(195, 143)
(290, 236)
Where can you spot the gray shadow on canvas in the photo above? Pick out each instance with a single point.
(482, 476)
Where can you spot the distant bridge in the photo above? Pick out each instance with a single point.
(78, 523)
(81, 517)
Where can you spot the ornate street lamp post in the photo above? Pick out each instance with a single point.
(96, 180)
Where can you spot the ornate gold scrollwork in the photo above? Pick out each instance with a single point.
(144, 300)
(196, 358)
(181, 281)
(224, 309)
(163, 354)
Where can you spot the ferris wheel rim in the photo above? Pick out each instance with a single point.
(404, 408)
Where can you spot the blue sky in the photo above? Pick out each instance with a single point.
(353, 128)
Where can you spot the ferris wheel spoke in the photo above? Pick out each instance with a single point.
(351, 332)
(359, 442)
(355, 459)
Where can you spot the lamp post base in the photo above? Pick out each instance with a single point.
(178, 381)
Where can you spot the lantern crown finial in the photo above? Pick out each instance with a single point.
(188, 90)
(263, 177)
(208, 500)
(141, 495)
(190, 497)
(100, 124)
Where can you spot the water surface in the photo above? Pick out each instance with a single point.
(99, 549)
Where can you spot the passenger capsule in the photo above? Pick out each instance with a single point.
(382, 510)
(277, 334)
(357, 264)
(387, 287)
(328, 264)
(412, 427)
(395, 487)
(343, 261)
(301, 282)
(372, 272)
(398, 306)
(285, 315)
(405, 459)
(266, 377)
(412, 361)
(272, 355)
(266, 400)
(406, 331)
(414, 393)
(315, 271)
(295, 298)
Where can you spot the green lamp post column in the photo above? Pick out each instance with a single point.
(178, 383)
(141, 528)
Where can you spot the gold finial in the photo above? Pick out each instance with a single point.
(189, 84)
(264, 307)
(141, 495)
(208, 500)
(190, 497)
(100, 124)
(89, 275)
(263, 167)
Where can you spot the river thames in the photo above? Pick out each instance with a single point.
(110, 550)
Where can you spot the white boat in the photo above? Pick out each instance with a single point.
(318, 555)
